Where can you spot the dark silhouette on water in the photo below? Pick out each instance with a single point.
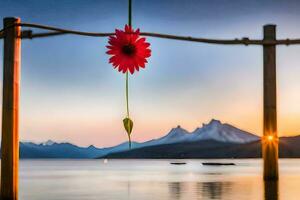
(178, 163)
(217, 163)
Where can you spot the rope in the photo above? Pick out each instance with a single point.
(243, 41)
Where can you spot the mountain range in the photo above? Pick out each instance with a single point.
(212, 140)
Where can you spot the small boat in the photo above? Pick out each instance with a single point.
(177, 163)
(217, 163)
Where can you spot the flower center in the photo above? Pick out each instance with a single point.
(128, 49)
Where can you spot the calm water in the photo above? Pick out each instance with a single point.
(154, 180)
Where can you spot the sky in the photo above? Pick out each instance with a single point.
(69, 91)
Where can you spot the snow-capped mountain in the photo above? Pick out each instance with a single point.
(48, 143)
(214, 130)
(217, 131)
(176, 135)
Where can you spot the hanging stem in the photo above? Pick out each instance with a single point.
(127, 104)
(127, 108)
(129, 139)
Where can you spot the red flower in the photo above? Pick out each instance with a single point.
(129, 51)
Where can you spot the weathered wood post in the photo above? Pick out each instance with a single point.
(10, 109)
(271, 190)
(270, 139)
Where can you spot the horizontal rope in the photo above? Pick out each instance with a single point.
(28, 34)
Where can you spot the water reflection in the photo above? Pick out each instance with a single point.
(271, 190)
(128, 189)
(201, 190)
(215, 190)
(175, 189)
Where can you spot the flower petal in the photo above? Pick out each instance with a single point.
(122, 61)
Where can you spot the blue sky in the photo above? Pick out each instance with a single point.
(69, 92)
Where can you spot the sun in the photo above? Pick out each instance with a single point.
(270, 138)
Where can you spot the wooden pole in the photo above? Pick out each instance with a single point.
(270, 139)
(10, 110)
(271, 190)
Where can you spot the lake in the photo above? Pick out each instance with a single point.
(155, 180)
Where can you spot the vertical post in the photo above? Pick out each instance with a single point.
(10, 110)
(271, 190)
(270, 139)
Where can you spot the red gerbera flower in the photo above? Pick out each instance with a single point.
(129, 51)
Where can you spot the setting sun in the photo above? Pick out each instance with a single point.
(270, 138)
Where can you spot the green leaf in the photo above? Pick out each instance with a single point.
(128, 125)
